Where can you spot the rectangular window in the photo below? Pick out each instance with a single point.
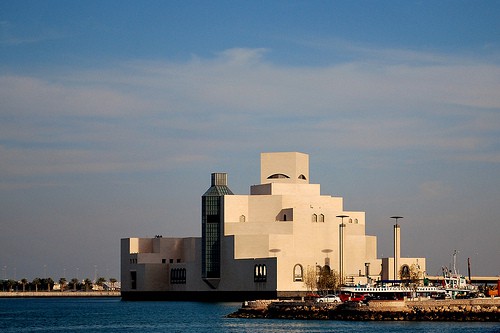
(133, 280)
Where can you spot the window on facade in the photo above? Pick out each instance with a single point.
(260, 273)
(242, 218)
(178, 276)
(321, 218)
(315, 218)
(356, 221)
(298, 273)
(164, 261)
(350, 220)
(133, 280)
(405, 272)
(278, 175)
(302, 177)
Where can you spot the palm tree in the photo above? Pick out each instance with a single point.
(24, 282)
(11, 284)
(74, 282)
(50, 283)
(62, 282)
(37, 282)
(112, 281)
(100, 281)
(88, 284)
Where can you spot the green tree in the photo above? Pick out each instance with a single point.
(62, 282)
(112, 281)
(37, 282)
(328, 279)
(74, 283)
(11, 284)
(24, 282)
(88, 284)
(100, 282)
(49, 283)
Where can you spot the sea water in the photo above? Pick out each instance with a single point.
(114, 315)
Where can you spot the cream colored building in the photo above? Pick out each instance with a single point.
(258, 245)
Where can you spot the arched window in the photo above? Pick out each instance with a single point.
(405, 272)
(278, 175)
(242, 218)
(321, 218)
(356, 221)
(314, 218)
(298, 273)
(350, 220)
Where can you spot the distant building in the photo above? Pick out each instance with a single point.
(259, 245)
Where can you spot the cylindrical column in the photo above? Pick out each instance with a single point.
(397, 246)
(341, 248)
(397, 250)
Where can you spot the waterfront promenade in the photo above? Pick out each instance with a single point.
(31, 294)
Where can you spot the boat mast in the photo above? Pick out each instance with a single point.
(455, 262)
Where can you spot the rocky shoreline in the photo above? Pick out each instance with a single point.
(404, 310)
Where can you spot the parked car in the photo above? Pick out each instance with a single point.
(347, 297)
(328, 299)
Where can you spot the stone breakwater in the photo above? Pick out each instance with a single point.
(427, 310)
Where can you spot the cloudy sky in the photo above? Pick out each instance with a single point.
(113, 114)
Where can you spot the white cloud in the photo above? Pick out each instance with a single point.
(29, 96)
(132, 116)
(434, 190)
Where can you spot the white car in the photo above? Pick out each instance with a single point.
(329, 299)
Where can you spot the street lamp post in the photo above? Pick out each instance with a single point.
(341, 248)
(397, 245)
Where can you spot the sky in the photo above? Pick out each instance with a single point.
(113, 115)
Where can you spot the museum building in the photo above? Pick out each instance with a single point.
(259, 246)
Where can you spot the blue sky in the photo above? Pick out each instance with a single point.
(113, 114)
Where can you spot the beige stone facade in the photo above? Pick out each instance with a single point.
(267, 242)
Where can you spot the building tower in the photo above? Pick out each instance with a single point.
(211, 228)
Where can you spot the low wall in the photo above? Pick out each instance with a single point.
(30, 294)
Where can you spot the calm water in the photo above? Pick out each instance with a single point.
(113, 315)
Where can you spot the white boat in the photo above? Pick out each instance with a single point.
(390, 292)
(455, 284)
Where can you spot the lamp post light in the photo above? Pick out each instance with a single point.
(397, 245)
(341, 248)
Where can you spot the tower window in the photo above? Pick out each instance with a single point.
(321, 218)
(260, 273)
(242, 218)
(278, 175)
(314, 218)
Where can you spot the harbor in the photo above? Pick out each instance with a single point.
(479, 309)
